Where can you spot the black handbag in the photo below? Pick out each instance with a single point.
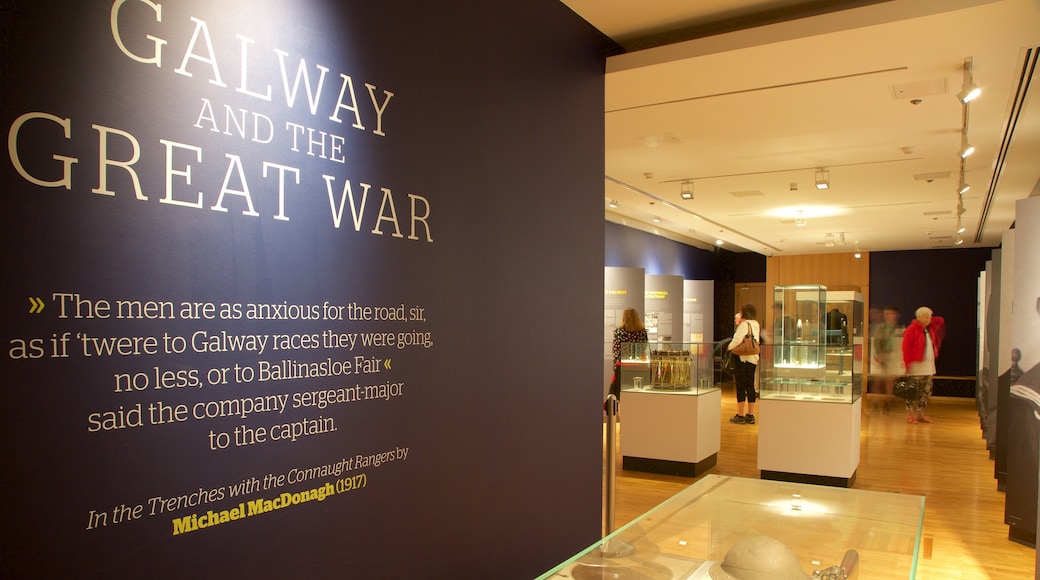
(904, 388)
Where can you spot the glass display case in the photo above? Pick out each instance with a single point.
(671, 409)
(798, 332)
(710, 530)
(817, 350)
(685, 367)
(844, 350)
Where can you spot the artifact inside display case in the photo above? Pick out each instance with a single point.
(670, 369)
(732, 528)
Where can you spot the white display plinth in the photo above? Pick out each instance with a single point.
(809, 441)
(672, 432)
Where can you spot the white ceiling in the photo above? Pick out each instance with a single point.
(749, 114)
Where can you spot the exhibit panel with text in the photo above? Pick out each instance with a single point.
(251, 253)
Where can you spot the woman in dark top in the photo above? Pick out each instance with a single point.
(631, 330)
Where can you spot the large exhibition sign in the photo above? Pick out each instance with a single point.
(238, 262)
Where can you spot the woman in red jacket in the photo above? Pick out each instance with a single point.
(921, 342)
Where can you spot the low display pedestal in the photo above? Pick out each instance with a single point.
(808, 441)
(670, 432)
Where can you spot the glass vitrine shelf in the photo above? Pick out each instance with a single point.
(832, 390)
(699, 533)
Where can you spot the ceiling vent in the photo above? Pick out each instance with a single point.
(930, 177)
(654, 141)
(919, 89)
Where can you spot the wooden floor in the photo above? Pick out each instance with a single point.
(947, 462)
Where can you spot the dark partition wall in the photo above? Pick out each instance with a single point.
(273, 304)
(947, 282)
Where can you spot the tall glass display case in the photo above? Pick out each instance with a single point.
(797, 333)
(670, 408)
(811, 387)
(844, 343)
(817, 350)
(733, 527)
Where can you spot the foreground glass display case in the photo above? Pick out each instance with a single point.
(735, 528)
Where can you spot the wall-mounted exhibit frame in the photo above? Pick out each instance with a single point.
(663, 304)
(1024, 403)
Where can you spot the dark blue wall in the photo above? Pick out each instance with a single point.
(630, 248)
(496, 120)
(945, 281)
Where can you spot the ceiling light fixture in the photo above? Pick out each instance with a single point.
(686, 190)
(829, 240)
(719, 242)
(859, 252)
(841, 239)
(823, 178)
(613, 203)
(959, 241)
(966, 148)
(969, 90)
(656, 219)
(799, 219)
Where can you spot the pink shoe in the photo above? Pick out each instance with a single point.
(923, 419)
(911, 419)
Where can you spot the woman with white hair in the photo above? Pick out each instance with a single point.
(921, 342)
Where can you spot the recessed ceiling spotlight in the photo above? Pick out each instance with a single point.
(966, 148)
(686, 190)
(719, 242)
(613, 203)
(656, 219)
(823, 178)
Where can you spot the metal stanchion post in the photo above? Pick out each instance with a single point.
(611, 470)
(613, 547)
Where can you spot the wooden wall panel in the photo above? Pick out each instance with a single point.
(835, 271)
